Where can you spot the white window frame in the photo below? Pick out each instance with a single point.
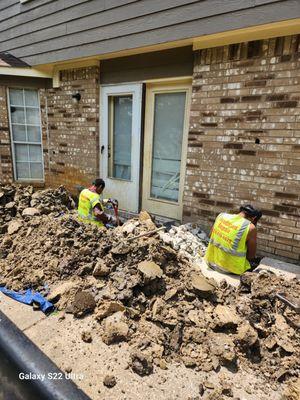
(13, 142)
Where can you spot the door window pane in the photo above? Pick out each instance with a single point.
(16, 97)
(169, 112)
(17, 115)
(26, 128)
(31, 98)
(19, 133)
(120, 117)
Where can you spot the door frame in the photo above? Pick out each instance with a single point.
(157, 206)
(134, 89)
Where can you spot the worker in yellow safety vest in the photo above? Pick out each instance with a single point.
(233, 241)
(91, 207)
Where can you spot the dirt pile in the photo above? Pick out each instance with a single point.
(148, 294)
(19, 202)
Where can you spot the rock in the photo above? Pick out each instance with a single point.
(86, 336)
(176, 337)
(30, 212)
(57, 292)
(68, 369)
(150, 270)
(115, 329)
(222, 346)
(108, 308)
(129, 227)
(109, 381)
(201, 285)
(226, 316)
(141, 364)
(121, 249)
(83, 304)
(170, 294)
(101, 269)
(227, 391)
(201, 389)
(197, 318)
(247, 336)
(14, 226)
(144, 215)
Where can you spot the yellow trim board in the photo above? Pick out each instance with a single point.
(28, 72)
(282, 28)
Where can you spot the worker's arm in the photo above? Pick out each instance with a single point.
(251, 242)
(100, 215)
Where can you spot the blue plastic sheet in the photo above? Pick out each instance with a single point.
(29, 297)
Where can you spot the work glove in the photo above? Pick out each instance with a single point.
(113, 202)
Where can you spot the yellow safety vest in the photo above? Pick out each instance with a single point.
(227, 249)
(87, 201)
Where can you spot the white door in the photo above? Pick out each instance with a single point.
(120, 138)
(165, 148)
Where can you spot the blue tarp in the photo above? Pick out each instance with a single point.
(29, 297)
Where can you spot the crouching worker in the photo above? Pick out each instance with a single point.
(232, 245)
(91, 208)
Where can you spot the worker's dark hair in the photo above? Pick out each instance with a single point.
(251, 212)
(99, 183)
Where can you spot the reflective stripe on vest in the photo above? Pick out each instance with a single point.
(229, 251)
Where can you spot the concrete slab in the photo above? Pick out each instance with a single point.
(232, 280)
(22, 315)
(280, 268)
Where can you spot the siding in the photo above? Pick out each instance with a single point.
(43, 31)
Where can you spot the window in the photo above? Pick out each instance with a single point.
(120, 132)
(26, 138)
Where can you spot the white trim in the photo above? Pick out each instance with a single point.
(167, 208)
(25, 143)
(127, 192)
(27, 72)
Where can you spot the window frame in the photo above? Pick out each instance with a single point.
(13, 142)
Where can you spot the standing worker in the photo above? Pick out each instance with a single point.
(91, 208)
(233, 241)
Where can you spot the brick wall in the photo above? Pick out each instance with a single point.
(244, 139)
(6, 171)
(71, 131)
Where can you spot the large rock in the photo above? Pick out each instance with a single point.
(247, 335)
(101, 269)
(83, 304)
(226, 316)
(57, 292)
(108, 308)
(201, 286)
(150, 270)
(140, 363)
(30, 212)
(14, 226)
(144, 216)
(222, 346)
(115, 329)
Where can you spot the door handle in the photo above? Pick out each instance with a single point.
(102, 149)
